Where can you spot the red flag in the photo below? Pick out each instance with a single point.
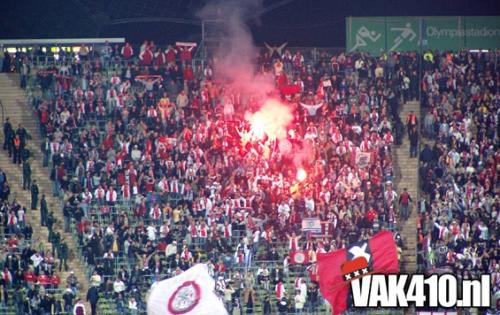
(290, 89)
(299, 258)
(381, 254)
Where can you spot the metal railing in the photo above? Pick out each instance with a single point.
(119, 261)
(3, 111)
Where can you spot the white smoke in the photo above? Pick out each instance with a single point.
(236, 55)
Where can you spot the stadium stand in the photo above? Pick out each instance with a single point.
(459, 218)
(151, 177)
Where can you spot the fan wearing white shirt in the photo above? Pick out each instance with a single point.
(151, 230)
(37, 259)
(118, 286)
(284, 209)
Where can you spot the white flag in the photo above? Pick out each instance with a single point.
(192, 292)
(363, 159)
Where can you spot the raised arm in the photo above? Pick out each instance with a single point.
(280, 48)
(271, 49)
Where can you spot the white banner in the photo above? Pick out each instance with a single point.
(186, 44)
(363, 159)
(190, 293)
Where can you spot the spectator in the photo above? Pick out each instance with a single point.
(404, 203)
(93, 298)
(151, 154)
(413, 136)
(63, 255)
(68, 298)
(283, 306)
(26, 175)
(16, 146)
(8, 133)
(34, 195)
(299, 302)
(79, 308)
(458, 223)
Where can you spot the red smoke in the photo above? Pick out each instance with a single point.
(304, 155)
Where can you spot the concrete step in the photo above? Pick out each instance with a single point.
(15, 107)
(406, 171)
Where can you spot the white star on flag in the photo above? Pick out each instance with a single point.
(356, 273)
(348, 277)
(357, 251)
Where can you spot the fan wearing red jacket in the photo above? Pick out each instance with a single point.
(146, 57)
(186, 53)
(170, 54)
(127, 51)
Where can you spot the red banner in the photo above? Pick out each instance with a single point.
(381, 256)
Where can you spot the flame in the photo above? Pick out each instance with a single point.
(270, 120)
(301, 175)
(258, 129)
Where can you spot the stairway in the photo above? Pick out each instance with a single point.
(406, 176)
(19, 112)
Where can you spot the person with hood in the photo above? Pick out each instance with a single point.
(79, 308)
(68, 298)
(283, 305)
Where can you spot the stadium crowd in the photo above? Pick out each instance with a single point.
(29, 278)
(459, 221)
(158, 170)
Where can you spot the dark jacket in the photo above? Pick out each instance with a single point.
(93, 295)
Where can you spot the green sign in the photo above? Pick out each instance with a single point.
(378, 34)
(402, 33)
(482, 32)
(438, 33)
(366, 34)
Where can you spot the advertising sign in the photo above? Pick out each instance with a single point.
(378, 34)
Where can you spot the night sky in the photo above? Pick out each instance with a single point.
(302, 22)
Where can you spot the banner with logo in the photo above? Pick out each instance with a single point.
(299, 258)
(363, 159)
(190, 293)
(337, 268)
(379, 34)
